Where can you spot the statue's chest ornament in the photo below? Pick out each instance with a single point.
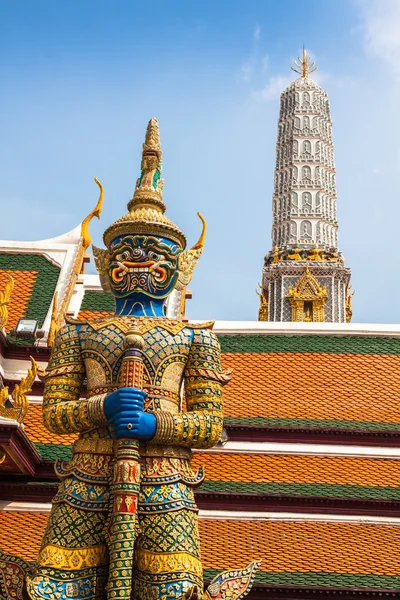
(165, 353)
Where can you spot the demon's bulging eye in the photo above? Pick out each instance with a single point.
(123, 256)
(154, 256)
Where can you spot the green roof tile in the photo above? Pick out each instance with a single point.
(53, 451)
(309, 343)
(98, 301)
(311, 423)
(45, 283)
(318, 490)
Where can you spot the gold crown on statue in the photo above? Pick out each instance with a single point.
(147, 208)
(146, 214)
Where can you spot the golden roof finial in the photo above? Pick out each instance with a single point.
(96, 212)
(304, 65)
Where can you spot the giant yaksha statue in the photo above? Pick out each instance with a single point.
(124, 523)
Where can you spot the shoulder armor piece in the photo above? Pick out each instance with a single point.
(143, 323)
(205, 325)
(72, 321)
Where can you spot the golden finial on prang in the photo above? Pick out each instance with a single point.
(304, 65)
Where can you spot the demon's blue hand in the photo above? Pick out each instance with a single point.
(124, 409)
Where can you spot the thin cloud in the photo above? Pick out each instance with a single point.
(250, 66)
(265, 62)
(272, 89)
(246, 71)
(381, 30)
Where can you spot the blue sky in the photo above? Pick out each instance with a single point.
(80, 79)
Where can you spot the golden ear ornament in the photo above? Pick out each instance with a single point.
(102, 260)
(18, 408)
(188, 259)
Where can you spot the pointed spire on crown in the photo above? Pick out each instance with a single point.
(149, 185)
(152, 140)
(304, 65)
(147, 208)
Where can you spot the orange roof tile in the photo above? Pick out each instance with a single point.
(302, 547)
(21, 533)
(299, 469)
(290, 547)
(23, 286)
(340, 390)
(37, 432)
(359, 387)
(93, 314)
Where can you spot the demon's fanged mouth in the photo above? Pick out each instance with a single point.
(143, 264)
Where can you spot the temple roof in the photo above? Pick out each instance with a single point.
(307, 381)
(305, 479)
(339, 555)
(265, 469)
(39, 270)
(35, 281)
(320, 386)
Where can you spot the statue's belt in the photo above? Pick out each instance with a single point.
(108, 446)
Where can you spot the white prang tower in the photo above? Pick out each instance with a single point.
(304, 276)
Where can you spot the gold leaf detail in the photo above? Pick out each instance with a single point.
(5, 296)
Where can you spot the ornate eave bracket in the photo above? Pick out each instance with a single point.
(232, 585)
(17, 453)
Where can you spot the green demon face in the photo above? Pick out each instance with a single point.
(142, 264)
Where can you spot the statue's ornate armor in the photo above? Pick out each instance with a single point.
(73, 560)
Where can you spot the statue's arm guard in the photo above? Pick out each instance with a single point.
(201, 426)
(63, 410)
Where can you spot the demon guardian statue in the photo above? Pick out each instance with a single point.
(124, 523)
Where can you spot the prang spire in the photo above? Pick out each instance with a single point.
(304, 276)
